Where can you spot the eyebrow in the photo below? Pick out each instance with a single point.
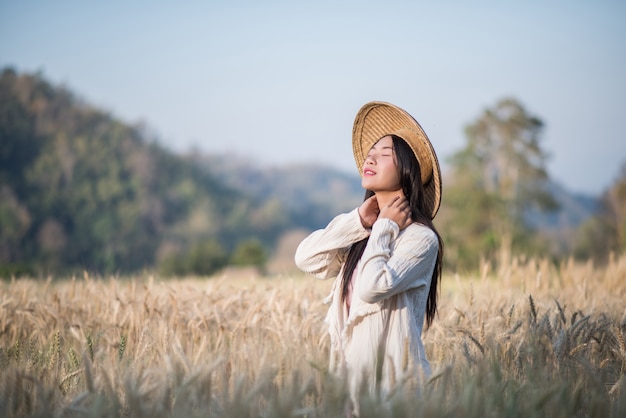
(386, 147)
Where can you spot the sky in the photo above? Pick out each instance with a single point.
(279, 82)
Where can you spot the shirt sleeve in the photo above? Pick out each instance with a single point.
(393, 263)
(324, 251)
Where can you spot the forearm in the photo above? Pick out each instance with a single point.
(391, 264)
(322, 253)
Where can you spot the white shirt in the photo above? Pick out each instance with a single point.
(388, 302)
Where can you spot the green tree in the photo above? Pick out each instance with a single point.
(80, 189)
(19, 146)
(615, 203)
(250, 252)
(204, 258)
(605, 233)
(495, 178)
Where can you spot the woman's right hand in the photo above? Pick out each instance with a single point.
(368, 211)
(398, 210)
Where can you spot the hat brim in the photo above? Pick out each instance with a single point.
(378, 119)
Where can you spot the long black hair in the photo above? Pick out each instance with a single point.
(409, 174)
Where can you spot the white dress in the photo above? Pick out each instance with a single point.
(378, 343)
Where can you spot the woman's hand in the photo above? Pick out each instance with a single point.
(399, 211)
(368, 211)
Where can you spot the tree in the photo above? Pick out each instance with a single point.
(250, 252)
(605, 233)
(203, 258)
(615, 203)
(497, 176)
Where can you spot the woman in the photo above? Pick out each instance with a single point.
(385, 257)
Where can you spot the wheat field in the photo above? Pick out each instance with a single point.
(532, 340)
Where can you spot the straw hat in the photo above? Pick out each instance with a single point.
(378, 119)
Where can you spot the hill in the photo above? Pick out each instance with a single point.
(82, 190)
(315, 193)
(574, 209)
(311, 194)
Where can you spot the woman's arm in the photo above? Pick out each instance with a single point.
(383, 272)
(323, 252)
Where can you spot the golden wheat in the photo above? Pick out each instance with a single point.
(539, 340)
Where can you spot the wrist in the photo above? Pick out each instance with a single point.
(363, 222)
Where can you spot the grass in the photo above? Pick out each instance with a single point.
(533, 340)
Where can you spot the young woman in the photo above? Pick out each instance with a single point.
(385, 257)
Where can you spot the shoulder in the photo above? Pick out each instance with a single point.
(421, 233)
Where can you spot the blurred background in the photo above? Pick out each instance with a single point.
(148, 136)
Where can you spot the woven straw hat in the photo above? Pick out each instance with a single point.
(378, 119)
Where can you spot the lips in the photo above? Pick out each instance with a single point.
(369, 172)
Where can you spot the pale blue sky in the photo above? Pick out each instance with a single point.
(281, 81)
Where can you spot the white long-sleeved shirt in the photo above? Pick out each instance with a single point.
(388, 301)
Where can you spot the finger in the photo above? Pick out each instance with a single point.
(401, 200)
(395, 199)
(403, 205)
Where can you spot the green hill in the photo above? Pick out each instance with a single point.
(80, 189)
(311, 194)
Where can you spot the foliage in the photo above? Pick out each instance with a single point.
(540, 340)
(203, 259)
(80, 189)
(250, 252)
(605, 233)
(496, 178)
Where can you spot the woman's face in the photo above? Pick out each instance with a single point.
(380, 171)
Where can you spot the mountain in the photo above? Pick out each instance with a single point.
(83, 190)
(311, 194)
(573, 210)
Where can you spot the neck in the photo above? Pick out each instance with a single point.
(384, 197)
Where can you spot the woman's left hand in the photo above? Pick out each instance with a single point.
(399, 211)
(368, 211)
